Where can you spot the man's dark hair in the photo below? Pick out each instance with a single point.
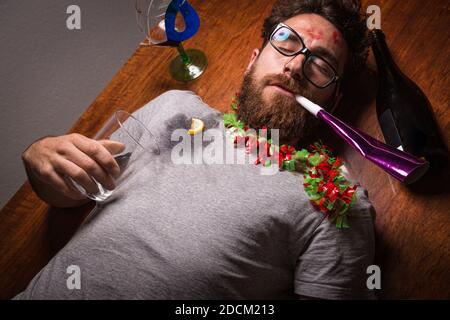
(343, 14)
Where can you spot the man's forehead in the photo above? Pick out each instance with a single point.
(317, 31)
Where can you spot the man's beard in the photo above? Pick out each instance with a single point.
(296, 125)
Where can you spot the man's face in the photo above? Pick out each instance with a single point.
(272, 79)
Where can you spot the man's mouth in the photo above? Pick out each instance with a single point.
(282, 89)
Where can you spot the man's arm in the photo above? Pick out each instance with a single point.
(50, 195)
(51, 160)
(333, 263)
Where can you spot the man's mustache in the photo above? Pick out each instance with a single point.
(297, 87)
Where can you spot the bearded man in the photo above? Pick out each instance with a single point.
(217, 231)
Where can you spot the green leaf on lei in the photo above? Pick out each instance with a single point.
(315, 159)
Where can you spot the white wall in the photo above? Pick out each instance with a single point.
(49, 75)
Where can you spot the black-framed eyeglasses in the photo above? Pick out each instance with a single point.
(316, 69)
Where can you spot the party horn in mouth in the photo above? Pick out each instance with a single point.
(401, 165)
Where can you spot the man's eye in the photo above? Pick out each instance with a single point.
(287, 46)
(321, 67)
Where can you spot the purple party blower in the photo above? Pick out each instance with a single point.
(401, 165)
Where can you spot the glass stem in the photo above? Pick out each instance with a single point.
(183, 55)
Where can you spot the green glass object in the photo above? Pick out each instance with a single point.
(188, 65)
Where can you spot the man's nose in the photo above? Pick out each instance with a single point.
(294, 66)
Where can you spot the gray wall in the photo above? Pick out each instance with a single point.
(49, 75)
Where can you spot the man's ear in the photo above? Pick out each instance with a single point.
(253, 58)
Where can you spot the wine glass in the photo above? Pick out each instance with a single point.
(138, 140)
(169, 23)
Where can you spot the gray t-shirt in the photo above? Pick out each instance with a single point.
(208, 231)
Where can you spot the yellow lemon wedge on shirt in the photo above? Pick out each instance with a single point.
(197, 126)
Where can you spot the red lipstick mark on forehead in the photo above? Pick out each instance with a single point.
(314, 34)
(336, 37)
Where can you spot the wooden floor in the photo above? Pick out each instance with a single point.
(413, 224)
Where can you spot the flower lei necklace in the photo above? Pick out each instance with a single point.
(326, 187)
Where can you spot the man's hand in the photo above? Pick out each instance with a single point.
(50, 161)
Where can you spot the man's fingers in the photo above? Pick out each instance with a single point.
(68, 168)
(114, 147)
(99, 153)
(92, 168)
(63, 186)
